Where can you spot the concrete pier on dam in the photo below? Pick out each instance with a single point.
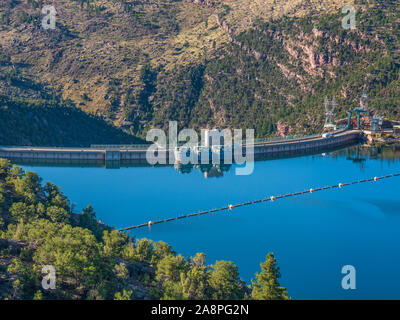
(114, 154)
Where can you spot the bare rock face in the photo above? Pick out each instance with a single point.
(283, 129)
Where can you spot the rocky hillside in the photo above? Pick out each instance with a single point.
(266, 64)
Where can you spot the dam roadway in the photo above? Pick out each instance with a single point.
(138, 153)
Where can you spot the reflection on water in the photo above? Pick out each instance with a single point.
(357, 154)
(360, 153)
(209, 170)
(312, 235)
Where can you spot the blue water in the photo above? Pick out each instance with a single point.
(312, 236)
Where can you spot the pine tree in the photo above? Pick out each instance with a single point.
(124, 295)
(267, 286)
(38, 295)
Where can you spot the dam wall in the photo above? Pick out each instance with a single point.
(261, 149)
(342, 139)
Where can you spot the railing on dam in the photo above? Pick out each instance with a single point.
(145, 146)
(290, 138)
(41, 147)
(259, 140)
(120, 146)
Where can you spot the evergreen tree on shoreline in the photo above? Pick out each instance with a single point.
(267, 286)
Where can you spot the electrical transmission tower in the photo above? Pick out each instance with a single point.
(329, 112)
(364, 101)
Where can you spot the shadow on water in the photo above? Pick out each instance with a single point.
(388, 207)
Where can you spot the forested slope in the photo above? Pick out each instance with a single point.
(266, 65)
(55, 124)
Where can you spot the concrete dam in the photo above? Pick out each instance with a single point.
(137, 154)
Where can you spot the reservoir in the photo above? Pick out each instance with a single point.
(312, 235)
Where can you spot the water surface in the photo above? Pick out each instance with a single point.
(312, 235)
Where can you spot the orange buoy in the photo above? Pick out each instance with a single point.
(150, 223)
(230, 207)
(376, 179)
(272, 198)
(340, 185)
(311, 190)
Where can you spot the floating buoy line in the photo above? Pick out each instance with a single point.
(270, 198)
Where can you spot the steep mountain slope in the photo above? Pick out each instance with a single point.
(279, 72)
(265, 64)
(54, 123)
(33, 114)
